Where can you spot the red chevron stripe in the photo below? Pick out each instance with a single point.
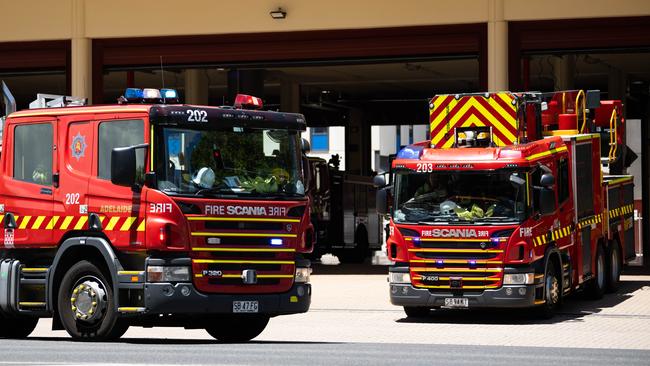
(496, 115)
(453, 111)
(512, 112)
(471, 111)
(441, 108)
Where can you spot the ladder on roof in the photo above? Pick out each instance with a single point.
(54, 101)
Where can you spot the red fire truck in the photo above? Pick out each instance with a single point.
(152, 213)
(510, 204)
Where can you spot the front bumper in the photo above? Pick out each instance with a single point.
(169, 298)
(511, 296)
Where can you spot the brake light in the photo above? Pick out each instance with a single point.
(243, 101)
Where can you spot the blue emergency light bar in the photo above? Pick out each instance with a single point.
(137, 95)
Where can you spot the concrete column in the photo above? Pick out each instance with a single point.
(357, 142)
(289, 96)
(497, 39)
(81, 54)
(616, 84)
(196, 86)
(564, 69)
(245, 82)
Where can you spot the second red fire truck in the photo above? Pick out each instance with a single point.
(510, 204)
(152, 213)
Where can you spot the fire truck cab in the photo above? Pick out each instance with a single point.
(508, 204)
(152, 213)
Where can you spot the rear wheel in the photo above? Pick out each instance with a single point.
(17, 327)
(596, 287)
(613, 267)
(417, 311)
(86, 304)
(235, 329)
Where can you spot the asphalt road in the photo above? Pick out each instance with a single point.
(352, 322)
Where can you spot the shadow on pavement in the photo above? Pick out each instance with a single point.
(575, 308)
(168, 341)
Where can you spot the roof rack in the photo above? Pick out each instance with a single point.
(54, 101)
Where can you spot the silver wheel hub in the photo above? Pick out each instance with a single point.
(88, 301)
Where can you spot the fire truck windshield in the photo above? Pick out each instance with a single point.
(463, 197)
(235, 161)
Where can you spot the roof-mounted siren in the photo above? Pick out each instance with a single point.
(56, 101)
(475, 136)
(243, 101)
(149, 95)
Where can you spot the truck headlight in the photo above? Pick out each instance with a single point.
(519, 279)
(168, 274)
(302, 274)
(399, 277)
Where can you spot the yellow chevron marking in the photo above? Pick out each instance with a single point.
(546, 153)
(81, 223)
(234, 261)
(127, 223)
(24, 222)
(112, 222)
(266, 235)
(38, 222)
(252, 219)
(52, 224)
(66, 222)
(141, 226)
(243, 250)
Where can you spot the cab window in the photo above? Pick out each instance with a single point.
(33, 153)
(121, 133)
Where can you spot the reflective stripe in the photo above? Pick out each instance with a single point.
(128, 223)
(39, 221)
(24, 222)
(81, 223)
(111, 224)
(66, 222)
(52, 223)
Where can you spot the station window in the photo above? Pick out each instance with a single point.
(114, 134)
(320, 139)
(33, 153)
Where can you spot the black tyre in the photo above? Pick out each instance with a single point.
(552, 292)
(417, 311)
(86, 305)
(613, 267)
(596, 287)
(235, 329)
(18, 327)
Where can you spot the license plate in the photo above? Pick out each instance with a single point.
(457, 302)
(245, 306)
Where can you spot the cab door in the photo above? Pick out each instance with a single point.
(75, 154)
(120, 209)
(27, 184)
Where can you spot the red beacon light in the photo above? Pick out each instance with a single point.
(243, 101)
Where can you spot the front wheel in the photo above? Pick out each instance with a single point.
(18, 327)
(552, 292)
(86, 304)
(235, 329)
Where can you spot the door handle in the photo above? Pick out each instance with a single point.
(9, 221)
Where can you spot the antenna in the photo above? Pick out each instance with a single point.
(162, 72)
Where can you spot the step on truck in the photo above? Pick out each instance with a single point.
(152, 213)
(510, 203)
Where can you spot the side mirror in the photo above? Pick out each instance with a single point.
(547, 180)
(306, 169)
(382, 201)
(378, 181)
(123, 165)
(305, 146)
(546, 201)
